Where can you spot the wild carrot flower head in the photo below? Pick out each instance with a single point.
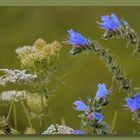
(111, 22)
(101, 92)
(133, 104)
(16, 77)
(14, 95)
(58, 129)
(76, 39)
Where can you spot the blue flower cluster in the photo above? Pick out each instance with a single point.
(92, 116)
(114, 27)
(81, 106)
(111, 22)
(101, 93)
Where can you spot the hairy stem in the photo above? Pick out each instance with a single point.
(111, 63)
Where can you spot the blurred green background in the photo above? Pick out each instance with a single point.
(23, 25)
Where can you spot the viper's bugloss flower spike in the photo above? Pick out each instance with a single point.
(118, 28)
(80, 105)
(91, 112)
(79, 132)
(76, 39)
(111, 63)
(101, 92)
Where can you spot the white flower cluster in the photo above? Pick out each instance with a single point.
(15, 76)
(13, 95)
(58, 129)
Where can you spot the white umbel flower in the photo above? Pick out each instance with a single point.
(13, 95)
(58, 129)
(16, 76)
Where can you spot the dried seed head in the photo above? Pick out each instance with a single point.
(40, 53)
(5, 125)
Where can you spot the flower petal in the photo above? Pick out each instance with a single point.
(76, 39)
(131, 103)
(80, 105)
(101, 92)
(98, 116)
(115, 20)
(111, 22)
(78, 132)
(137, 97)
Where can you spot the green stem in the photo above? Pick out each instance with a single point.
(15, 115)
(10, 110)
(114, 121)
(27, 115)
(111, 63)
(42, 102)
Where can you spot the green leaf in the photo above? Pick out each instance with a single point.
(114, 120)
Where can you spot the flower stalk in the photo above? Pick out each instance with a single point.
(111, 63)
(91, 112)
(81, 44)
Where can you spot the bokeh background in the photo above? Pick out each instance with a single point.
(23, 25)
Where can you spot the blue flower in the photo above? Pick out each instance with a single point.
(101, 92)
(78, 132)
(96, 116)
(115, 20)
(133, 104)
(76, 39)
(111, 22)
(80, 105)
